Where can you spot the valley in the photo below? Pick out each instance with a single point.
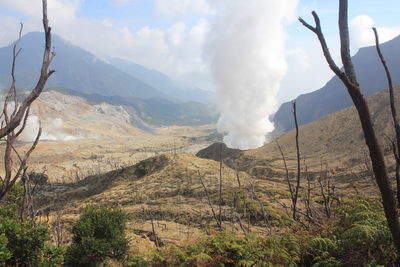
(156, 179)
(114, 154)
(95, 138)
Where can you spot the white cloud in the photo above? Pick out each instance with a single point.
(362, 34)
(175, 51)
(123, 3)
(179, 8)
(56, 8)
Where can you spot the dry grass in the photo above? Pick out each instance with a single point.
(336, 139)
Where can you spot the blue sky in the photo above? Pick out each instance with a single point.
(170, 35)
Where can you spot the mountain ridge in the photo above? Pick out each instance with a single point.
(333, 95)
(85, 72)
(162, 82)
(75, 68)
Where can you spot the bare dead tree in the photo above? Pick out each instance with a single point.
(293, 189)
(327, 189)
(58, 229)
(368, 167)
(296, 191)
(21, 109)
(395, 144)
(31, 181)
(19, 113)
(27, 210)
(263, 213)
(236, 214)
(307, 196)
(11, 172)
(154, 231)
(289, 183)
(209, 201)
(286, 170)
(349, 79)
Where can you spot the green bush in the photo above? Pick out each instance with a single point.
(97, 236)
(24, 242)
(226, 249)
(360, 237)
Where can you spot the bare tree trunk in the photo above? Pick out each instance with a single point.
(349, 79)
(209, 201)
(20, 113)
(296, 192)
(265, 218)
(395, 145)
(289, 183)
(21, 110)
(327, 189)
(307, 196)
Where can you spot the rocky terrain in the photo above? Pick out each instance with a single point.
(79, 138)
(177, 193)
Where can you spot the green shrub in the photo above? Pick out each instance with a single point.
(5, 253)
(226, 249)
(360, 237)
(97, 236)
(24, 242)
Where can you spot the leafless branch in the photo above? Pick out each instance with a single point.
(296, 192)
(349, 79)
(209, 201)
(45, 73)
(395, 145)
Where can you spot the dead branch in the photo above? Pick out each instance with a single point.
(307, 196)
(349, 79)
(48, 55)
(395, 145)
(20, 113)
(209, 201)
(266, 221)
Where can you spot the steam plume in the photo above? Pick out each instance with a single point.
(247, 52)
(52, 130)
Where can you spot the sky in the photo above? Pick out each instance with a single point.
(171, 35)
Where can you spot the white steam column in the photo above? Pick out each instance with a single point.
(247, 52)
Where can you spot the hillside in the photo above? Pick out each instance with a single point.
(336, 139)
(82, 137)
(333, 96)
(166, 189)
(153, 111)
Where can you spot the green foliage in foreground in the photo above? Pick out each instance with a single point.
(97, 236)
(359, 237)
(227, 250)
(24, 242)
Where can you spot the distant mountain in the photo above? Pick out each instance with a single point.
(333, 96)
(84, 72)
(162, 82)
(153, 111)
(75, 68)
